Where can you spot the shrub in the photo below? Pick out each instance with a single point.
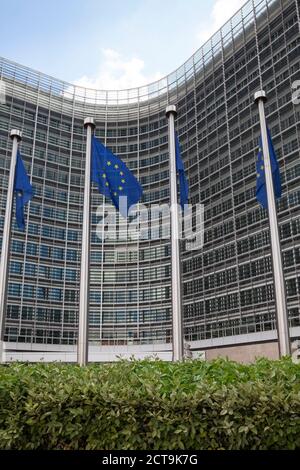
(151, 406)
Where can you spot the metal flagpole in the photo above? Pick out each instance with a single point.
(82, 343)
(16, 137)
(279, 284)
(171, 113)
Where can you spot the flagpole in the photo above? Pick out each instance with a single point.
(16, 137)
(82, 343)
(279, 283)
(171, 113)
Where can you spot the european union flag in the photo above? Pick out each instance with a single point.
(113, 178)
(183, 184)
(261, 188)
(23, 190)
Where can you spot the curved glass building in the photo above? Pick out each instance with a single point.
(227, 285)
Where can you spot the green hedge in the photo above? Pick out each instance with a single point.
(151, 405)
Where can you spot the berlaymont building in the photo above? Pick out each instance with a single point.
(228, 294)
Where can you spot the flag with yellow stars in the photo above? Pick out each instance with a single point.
(113, 178)
(23, 191)
(183, 184)
(261, 188)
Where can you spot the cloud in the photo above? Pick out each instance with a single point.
(117, 73)
(222, 11)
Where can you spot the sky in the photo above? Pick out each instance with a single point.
(108, 44)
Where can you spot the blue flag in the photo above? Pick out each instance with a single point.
(23, 190)
(113, 178)
(261, 187)
(183, 184)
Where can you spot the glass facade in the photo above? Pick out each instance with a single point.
(227, 285)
